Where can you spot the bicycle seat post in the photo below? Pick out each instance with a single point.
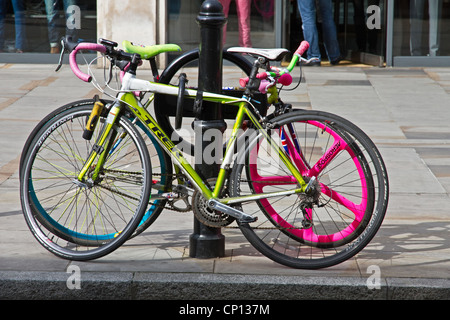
(208, 242)
(253, 81)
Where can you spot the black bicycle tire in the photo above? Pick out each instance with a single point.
(165, 160)
(32, 215)
(44, 121)
(368, 211)
(372, 227)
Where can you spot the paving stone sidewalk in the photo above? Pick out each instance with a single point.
(406, 112)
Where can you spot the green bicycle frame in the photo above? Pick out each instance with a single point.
(146, 118)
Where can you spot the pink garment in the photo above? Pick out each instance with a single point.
(243, 11)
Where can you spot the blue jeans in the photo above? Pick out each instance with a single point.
(19, 13)
(416, 22)
(52, 19)
(307, 10)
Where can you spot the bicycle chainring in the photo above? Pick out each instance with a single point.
(204, 214)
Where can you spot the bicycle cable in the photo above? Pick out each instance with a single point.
(297, 85)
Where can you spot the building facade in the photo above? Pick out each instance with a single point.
(378, 32)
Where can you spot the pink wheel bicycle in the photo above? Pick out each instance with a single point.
(348, 198)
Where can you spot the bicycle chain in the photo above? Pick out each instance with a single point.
(173, 208)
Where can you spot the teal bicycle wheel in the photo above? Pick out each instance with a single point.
(88, 219)
(161, 164)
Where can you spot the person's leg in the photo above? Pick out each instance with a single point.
(329, 31)
(226, 9)
(50, 7)
(3, 9)
(69, 31)
(243, 11)
(434, 9)
(307, 9)
(19, 13)
(416, 20)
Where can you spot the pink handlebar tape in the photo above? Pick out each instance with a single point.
(73, 58)
(304, 45)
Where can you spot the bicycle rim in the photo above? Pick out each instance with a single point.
(341, 216)
(161, 165)
(160, 162)
(76, 221)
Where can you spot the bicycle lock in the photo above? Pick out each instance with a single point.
(208, 242)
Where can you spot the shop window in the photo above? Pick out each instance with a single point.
(184, 30)
(421, 28)
(37, 25)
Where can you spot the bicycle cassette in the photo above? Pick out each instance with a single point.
(204, 214)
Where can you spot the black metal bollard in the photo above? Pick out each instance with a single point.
(208, 242)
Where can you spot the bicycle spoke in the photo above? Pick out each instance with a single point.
(84, 219)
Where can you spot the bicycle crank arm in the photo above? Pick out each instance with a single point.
(235, 213)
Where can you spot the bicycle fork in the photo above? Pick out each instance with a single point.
(100, 150)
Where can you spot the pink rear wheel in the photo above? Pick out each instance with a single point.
(350, 190)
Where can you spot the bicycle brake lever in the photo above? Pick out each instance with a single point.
(61, 56)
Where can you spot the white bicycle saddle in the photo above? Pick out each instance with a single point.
(270, 54)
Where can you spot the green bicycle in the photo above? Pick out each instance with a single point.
(308, 189)
(161, 164)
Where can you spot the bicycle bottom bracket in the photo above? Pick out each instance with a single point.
(204, 214)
